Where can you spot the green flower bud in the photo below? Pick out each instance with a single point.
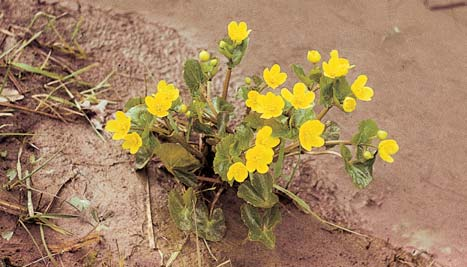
(368, 155)
(382, 134)
(248, 80)
(213, 62)
(222, 44)
(204, 55)
(183, 108)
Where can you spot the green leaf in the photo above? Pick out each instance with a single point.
(367, 130)
(224, 109)
(361, 172)
(146, 151)
(341, 89)
(181, 208)
(300, 116)
(261, 226)
(186, 177)
(345, 153)
(238, 53)
(133, 102)
(325, 92)
(200, 127)
(243, 137)
(194, 77)
(79, 203)
(331, 132)
(258, 191)
(211, 228)
(179, 162)
(140, 117)
(222, 159)
(175, 156)
(315, 74)
(300, 73)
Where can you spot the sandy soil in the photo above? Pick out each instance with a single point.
(420, 84)
(404, 205)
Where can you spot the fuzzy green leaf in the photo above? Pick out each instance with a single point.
(211, 228)
(178, 161)
(300, 73)
(331, 132)
(325, 92)
(243, 137)
(181, 208)
(194, 77)
(261, 226)
(133, 102)
(258, 191)
(146, 151)
(367, 130)
(222, 159)
(140, 117)
(361, 172)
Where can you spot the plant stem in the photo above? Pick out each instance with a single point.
(208, 179)
(338, 142)
(323, 113)
(226, 83)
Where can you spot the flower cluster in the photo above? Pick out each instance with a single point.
(159, 103)
(120, 126)
(257, 158)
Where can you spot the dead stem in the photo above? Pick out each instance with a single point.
(216, 198)
(25, 109)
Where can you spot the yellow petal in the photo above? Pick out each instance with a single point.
(286, 94)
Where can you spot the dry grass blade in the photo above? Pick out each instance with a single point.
(92, 238)
(44, 243)
(33, 240)
(12, 208)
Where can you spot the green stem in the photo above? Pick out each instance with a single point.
(323, 113)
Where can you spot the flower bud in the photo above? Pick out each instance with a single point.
(248, 80)
(382, 134)
(183, 108)
(188, 114)
(313, 56)
(213, 62)
(368, 155)
(222, 44)
(204, 55)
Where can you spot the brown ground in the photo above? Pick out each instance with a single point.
(102, 173)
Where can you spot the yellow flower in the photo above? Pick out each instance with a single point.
(252, 101)
(238, 31)
(386, 148)
(264, 138)
(238, 172)
(301, 97)
(120, 126)
(158, 105)
(349, 104)
(167, 91)
(258, 158)
(132, 142)
(274, 77)
(359, 89)
(270, 105)
(313, 56)
(310, 134)
(336, 66)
